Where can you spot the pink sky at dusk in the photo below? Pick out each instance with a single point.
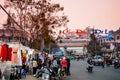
(101, 14)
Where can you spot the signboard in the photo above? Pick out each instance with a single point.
(74, 34)
(104, 33)
(82, 34)
(99, 31)
(77, 31)
(57, 51)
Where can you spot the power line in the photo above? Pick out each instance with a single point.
(10, 16)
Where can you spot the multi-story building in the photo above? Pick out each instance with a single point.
(110, 46)
(116, 36)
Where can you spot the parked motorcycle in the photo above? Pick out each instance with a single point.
(44, 73)
(47, 74)
(60, 74)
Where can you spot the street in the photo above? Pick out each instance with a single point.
(79, 72)
(38, 38)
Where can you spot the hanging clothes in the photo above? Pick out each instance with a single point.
(24, 57)
(4, 52)
(14, 55)
(0, 51)
(24, 60)
(19, 56)
(9, 54)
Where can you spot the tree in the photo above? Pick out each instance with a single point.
(93, 46)
(38, 17)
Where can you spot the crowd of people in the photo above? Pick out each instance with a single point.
(34, 64)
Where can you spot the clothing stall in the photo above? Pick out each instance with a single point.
(12, 57)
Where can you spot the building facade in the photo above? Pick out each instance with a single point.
(116, 35)
(11, 34)
(111, 46)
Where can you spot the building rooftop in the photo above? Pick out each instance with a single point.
(117, 31)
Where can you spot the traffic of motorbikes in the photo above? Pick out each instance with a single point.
(102, 61)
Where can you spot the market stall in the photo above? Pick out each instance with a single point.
(12, 57)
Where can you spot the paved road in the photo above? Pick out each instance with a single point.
(79, 72)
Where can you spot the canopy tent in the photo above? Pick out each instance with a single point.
(58, 52)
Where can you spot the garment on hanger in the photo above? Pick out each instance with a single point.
(14, 55)
(0, 51)
(24, 56)
(24, 60)
(4, 52)
(9, 53)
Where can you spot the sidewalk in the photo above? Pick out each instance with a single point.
(29, 77)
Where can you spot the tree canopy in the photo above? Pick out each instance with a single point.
(93, 46)
(37, 17)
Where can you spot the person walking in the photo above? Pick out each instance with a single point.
(64, 64)
(6, 73)
(55, 65)
(24, 71)
(103, 63)
(35, 65)
(68, 66)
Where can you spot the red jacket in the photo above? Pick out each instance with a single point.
(64, 63)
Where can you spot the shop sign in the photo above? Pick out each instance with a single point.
(99, 31)
(77, 31)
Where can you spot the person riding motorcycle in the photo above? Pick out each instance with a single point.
(89, 65)
(116, 63)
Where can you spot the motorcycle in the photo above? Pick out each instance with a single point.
(90, 68)
(60, 73)
(39, 73)
(46, 74)
(116, 64)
